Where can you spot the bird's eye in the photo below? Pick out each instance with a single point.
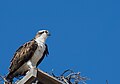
(46, 31)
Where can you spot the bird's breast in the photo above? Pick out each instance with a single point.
(38, 54)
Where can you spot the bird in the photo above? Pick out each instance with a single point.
(28, 56)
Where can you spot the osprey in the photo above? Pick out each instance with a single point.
(28, 56)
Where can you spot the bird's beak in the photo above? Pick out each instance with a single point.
(49, 34)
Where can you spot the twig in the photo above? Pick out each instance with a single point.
(106, 81)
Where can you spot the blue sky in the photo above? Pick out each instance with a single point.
(85, 35)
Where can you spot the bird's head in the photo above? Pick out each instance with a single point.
(42, 35)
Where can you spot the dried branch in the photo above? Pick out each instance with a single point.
(71, 77)
(2, 79)
(106, 81)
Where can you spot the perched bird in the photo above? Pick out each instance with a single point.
(28, 56)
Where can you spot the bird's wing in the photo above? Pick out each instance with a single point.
(22, 55)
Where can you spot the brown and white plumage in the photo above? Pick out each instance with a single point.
(28, 56)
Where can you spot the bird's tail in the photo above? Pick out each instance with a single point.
(7, 79)
(3, 79)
